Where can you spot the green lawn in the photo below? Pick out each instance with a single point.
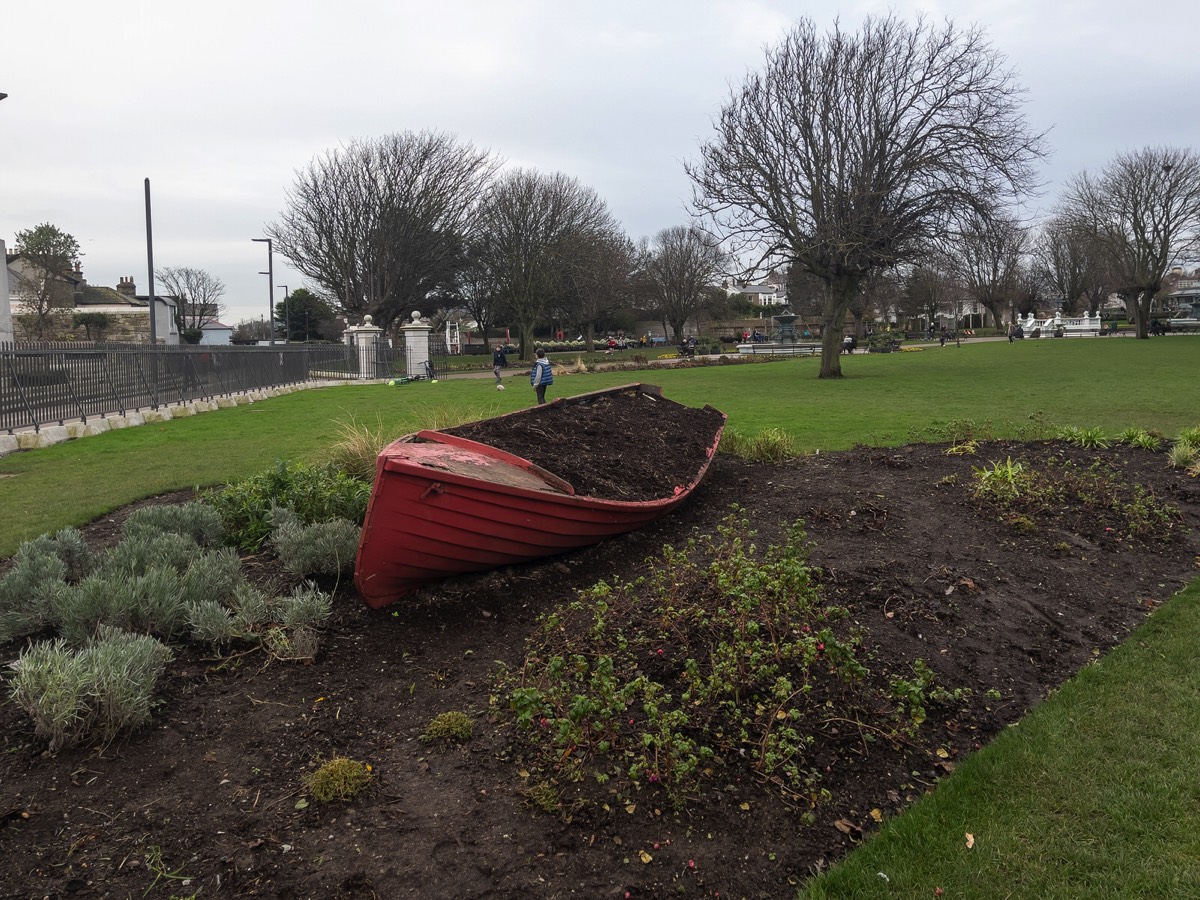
(990, 389)
(1092, 795)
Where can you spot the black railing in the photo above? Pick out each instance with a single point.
(46, 383)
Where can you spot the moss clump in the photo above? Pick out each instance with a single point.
(338, 779)
(449, 726)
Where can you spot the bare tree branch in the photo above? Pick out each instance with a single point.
(850, 153)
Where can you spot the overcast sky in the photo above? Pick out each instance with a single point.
(219, 103)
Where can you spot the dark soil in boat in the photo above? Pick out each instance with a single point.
(209, 801)
(628, 445)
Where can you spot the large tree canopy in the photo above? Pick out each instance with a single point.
(849, 153)
(380, 225)
(199, 297)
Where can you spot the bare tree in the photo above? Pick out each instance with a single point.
(683, 261)
(1072, 264)
(986, 255)
(849, 153)
(930, 289)
(1143, 211)
(49, 255)
(476, 291)
(380, 225)
(198, 294)
(526, 221)
(597, 272)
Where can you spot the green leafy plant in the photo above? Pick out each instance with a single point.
(312, 493)
(1091, 438)
(716, 671)
(338, 779)
(1003, 481)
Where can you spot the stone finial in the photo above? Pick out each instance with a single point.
(416, 316)
(367, 321)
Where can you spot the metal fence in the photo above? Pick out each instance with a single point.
(50, 383)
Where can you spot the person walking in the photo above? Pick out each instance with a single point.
(499, 363)
(541, 376)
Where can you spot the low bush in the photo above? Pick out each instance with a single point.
(323, 548)
(313, 493)
(91, 693)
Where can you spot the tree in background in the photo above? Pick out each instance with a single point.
(198, 295)
(851, 153)
(930, 290)
(477, 292)
(681, 264)
(526, 223)
(1143, 211)
(306, 316)
(985, 256)
(381, 225)
(1071, 263)
(596, 279)
(50, 255)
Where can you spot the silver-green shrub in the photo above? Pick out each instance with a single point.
(151, 603)
(306, 606)
(30, 590)
(146, 549)
(212, 622)
(213, 575)
(323, 548)
(91, 693)
(196, 520)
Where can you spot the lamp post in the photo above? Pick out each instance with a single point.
(287, 321)
(270, 273)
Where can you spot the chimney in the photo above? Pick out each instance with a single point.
(125, 286)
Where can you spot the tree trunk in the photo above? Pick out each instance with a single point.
(840, 290)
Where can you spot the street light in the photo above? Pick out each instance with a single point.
(270, 273)
(287, 322)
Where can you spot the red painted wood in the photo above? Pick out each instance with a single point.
(445, 506)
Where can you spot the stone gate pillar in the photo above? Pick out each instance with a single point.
(365, 339)
(416, 346)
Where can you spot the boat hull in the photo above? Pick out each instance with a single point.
(444, 506)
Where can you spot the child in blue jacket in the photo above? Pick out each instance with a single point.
(541, 375)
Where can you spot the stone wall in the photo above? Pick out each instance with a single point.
(130, 326)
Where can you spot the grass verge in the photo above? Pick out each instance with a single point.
(1092, 795)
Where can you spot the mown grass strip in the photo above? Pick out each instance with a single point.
(1092, 795)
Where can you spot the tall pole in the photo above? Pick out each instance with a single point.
(150, 267)
(287, 321)
(270, 290)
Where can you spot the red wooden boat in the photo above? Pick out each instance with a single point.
(443, 505)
